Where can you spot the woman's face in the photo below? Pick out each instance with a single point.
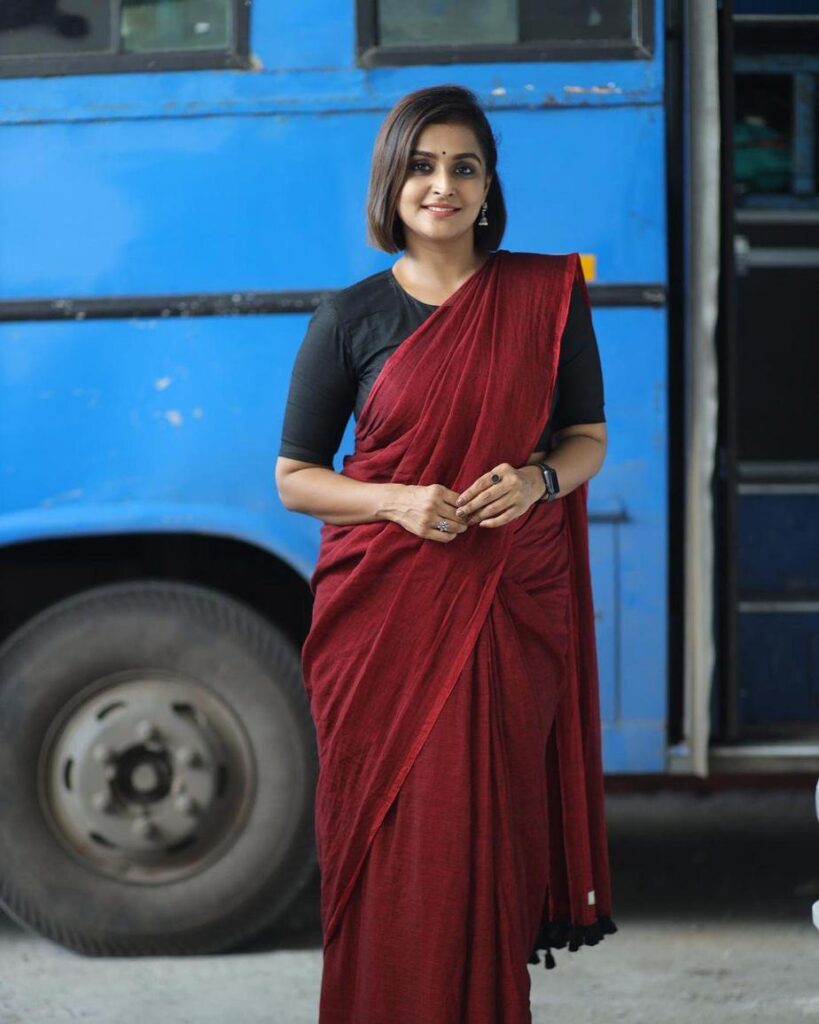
(446, 168)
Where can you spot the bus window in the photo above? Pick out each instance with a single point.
(65, 36)
(36, 27)
(762, 134)
(530, 24)
(174, 24)
(776, 144)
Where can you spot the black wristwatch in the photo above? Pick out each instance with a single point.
(550, 478)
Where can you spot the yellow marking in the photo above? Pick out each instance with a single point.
(588, 261)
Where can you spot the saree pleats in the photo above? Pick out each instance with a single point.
(459, 807)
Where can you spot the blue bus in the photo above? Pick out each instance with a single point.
(181, 183)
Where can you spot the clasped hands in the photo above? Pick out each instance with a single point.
(436, 512)
(489, 503)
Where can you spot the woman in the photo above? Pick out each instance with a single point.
(450, 663)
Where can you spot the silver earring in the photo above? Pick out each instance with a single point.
(483, 222)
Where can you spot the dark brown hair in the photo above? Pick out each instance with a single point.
(397, 137)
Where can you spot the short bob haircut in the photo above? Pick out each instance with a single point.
(397, 137)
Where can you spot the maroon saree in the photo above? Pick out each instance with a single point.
(459, 810)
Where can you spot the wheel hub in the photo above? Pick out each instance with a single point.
(135, 774)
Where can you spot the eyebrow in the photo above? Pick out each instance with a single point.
(456, 156)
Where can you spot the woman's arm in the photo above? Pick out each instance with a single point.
(577, 454)
(578, 439)
(320, 491)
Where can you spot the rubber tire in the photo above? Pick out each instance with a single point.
(255, 668)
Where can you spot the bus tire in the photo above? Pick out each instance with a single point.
(159, 764)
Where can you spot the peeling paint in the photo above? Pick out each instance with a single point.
(174, 417)
(499, 90)
(162, 382)
(599, 90)
(198, 413)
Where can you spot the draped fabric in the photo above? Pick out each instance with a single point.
(459, 808)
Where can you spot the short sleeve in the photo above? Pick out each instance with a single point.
(322, 391)
(580, 397)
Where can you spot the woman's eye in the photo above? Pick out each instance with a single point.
(420, 165)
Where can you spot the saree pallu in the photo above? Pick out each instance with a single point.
(460, 821)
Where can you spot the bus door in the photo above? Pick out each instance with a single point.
(768, 684)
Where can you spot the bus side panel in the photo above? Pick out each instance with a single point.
(148, 424)
(629, 551)
(105, 208)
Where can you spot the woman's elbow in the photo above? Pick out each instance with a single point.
(283, 475)
(286, 476)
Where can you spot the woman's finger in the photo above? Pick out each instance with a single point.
(492, 509)
(453, 524)
(483, 500)
(500, 520)
(487, 481)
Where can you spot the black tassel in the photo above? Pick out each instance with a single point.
(559, 934)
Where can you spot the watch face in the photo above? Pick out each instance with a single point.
(548, 480)
(551, 479)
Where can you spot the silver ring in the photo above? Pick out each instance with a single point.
(443, 525)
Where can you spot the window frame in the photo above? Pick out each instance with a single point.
(235, 55)
(370, 53)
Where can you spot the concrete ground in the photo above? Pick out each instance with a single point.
(712, 896)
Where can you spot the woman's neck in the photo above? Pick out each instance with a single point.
(432, 275)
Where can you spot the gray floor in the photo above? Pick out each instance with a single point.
(712, 896)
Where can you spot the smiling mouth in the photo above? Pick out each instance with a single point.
(442, 209)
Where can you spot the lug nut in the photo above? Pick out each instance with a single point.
(144, 828)
(146, 730)
(186, 804)
(186, 757)
(102, 800)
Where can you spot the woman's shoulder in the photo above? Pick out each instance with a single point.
(363, 297)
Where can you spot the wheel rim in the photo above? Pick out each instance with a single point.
(146, 776)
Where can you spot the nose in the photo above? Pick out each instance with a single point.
(442, 183)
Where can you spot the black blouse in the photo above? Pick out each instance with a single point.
(349, 338)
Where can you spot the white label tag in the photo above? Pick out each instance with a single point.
(591, 896)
